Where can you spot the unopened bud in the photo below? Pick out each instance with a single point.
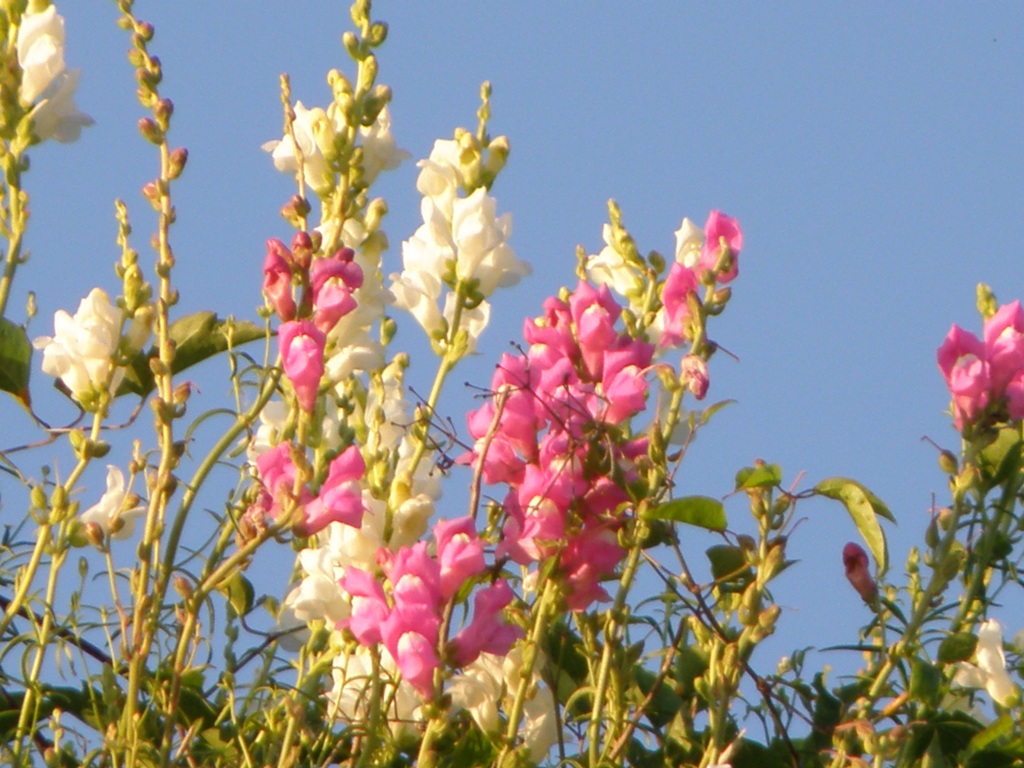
(183, 587)
(948, 463)
(150, 131)
(302, 250)
(855, 559)
(145, 30)
(94, 533)
(163, 111)
(177, 161)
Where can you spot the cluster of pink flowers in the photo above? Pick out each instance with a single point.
(325, 289)
(986, 376)
(422, 588)
(339, 500)
(690, 271)
(558, 444)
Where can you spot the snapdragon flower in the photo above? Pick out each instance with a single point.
(110, 513)
(82, 351)
(988, 670)
(46, 84)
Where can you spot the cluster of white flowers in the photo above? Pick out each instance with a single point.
(47, 85)
(315, 131)
(82, 351)
(492, 681)
(462, 242)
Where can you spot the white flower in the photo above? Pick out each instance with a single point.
(609, 268)
(109, 512)
(481, 244)
(353, 676)
(380, 151)
(313, 132)
(417, 292)
(40, 53)
(45, 81)
(318, 595)
(689, 240)
(491, 681)
(441, 174)
(989, 671)
(81, 351)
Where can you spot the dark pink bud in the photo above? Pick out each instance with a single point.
(856, 561)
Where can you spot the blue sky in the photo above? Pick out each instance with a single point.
(872, 154)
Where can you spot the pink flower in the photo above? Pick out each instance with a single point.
(855, 559)
(460, 554)
(962, 361)
(333, 281)
(340, 499)
(1004, 345)
(277, 279)
(594, 313)
(488, 632)
(720, 227)
(417, 658)
(589, 557)
(679, 285)
(369, 607)
(302, 350)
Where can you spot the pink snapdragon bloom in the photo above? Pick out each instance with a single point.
(988, 373)
(279, 475)
(1004, 344)
(720, 227)
(588, 558)
(277, 279)
(594, 314)
(333, 282)
(855, 560)
(341, 495)
(679, 285)
(369, 606)
(488, 631)
(460, 553)
(302, 352)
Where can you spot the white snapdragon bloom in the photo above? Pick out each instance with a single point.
(45, 80)
(689, 241)
(353, 676)
(109, 512)
(417, 292)
(989, 670)
(481, 244)
(491, 681)
(40, 53)
(380, 150)
(81, 351)
(318, 595)
(441, 174)
(609, 268)
(313, 133)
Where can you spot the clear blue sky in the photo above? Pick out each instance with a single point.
(872, 153)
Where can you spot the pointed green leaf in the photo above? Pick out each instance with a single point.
(762, 476)
(198, 337)
(15, 356)
(865, 508)
(701, 511)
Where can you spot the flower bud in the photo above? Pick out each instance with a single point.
(177, 161)
(150, 131)
(94, 533)
(948, 463)
(855, 559)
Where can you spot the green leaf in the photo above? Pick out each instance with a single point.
(239, 592)
(729, 563)
(865, 508)
(15, 356)
(1002, 457)
(958, 646)
(994, 731)
(762, 476)
(701, 511)
(198, 337)
(925, 680)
